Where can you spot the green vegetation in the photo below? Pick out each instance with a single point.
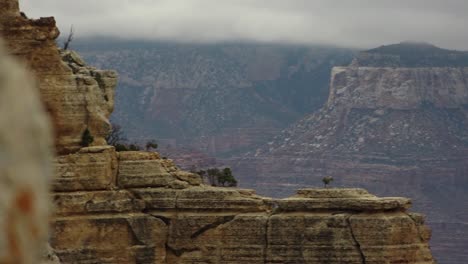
(217, 177)
(327, 180)
(151, 145)
(117, 139)
(86, 139)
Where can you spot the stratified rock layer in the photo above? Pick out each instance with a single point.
(135, 207)
(76, 96)
(218, 99)
(388, 130)
(151, 212)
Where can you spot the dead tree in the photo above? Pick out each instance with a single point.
(69, 39)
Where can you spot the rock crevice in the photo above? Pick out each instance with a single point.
(358, 245)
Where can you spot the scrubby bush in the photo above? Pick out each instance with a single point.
(86, 139)
(133, 147)
(327, 180)
(121, 147)
(217, 177)
(116, 138)
(151, 145)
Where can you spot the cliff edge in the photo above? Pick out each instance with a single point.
(76, 96)
(395, 122)
(136, 207)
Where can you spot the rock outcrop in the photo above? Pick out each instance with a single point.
(398, 88)
(76, 96)
(148, 211)
(387, 129)
(136, 207)
(411, 55)
(25, 165)
(220, 99)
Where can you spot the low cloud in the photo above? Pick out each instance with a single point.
(356, 23)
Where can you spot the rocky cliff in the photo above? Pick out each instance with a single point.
(76, 96)
(154, 213)
(217, 98)
(390, 130)
(411, 55)
(135, 207)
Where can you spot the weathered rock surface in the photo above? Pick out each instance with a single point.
(25, 163)
(152, 214)
(216, 98)
(389, 130)
(135, 207)
(76, 96)
(398, 88)
(90, 169)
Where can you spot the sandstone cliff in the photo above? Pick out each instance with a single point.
(135, 207)
(76, 96)
(154, 213)
(390, 130)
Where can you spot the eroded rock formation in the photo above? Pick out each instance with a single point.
(386, 129)
(135, 207)
(220, 99)
(76, 96)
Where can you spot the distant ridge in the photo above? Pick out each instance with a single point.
(411, 54)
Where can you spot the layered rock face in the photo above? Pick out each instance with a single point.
(398, 89)
(25, 165)
(220, 99)
(390, 130)
(77, 97)
(134, 207)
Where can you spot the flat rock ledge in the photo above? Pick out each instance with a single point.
(155, 213)
(349, 199)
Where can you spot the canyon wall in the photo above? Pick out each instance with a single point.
(391, 130)
(398, 88)
(76, 96)
(136, 207)
(221, 99)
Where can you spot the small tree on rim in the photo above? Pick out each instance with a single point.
(151, 145)
(327, 180)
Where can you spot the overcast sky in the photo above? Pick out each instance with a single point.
(350, 23)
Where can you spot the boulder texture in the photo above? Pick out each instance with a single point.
(25, 165)
(76, 96)
(136, 207)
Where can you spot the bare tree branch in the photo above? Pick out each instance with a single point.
(67, 42)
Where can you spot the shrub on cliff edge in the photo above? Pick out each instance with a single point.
(86, 139)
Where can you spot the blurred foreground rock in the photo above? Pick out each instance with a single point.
(76, 96)
(25, 165)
